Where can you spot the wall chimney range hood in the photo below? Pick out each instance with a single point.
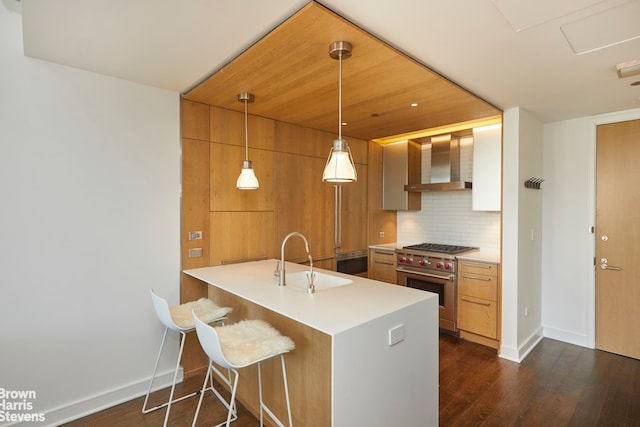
(445, 167)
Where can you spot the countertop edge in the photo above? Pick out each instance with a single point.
(332, 313)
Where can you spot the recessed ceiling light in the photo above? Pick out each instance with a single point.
(414, 104)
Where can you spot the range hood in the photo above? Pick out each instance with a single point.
(445, 167)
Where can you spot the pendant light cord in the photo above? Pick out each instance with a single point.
(340, 95)
(246, 131)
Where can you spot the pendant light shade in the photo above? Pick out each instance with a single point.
(340, 166)
(247, 179)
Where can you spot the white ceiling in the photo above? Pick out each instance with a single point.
(508, 52)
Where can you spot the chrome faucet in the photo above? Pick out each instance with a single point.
(281, 271)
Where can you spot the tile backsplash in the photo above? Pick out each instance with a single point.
(446, 217)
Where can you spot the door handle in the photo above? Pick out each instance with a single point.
(608, 267)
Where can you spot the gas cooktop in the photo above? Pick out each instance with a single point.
(439, 248)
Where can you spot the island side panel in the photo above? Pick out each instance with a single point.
(376, 384)
(308, 366)
(194, 360)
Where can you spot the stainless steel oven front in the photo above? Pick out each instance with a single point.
(442, 284)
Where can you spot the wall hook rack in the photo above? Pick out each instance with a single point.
(533, 183)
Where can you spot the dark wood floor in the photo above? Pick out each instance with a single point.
(558, 384)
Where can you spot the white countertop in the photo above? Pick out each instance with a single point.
(387, 246)
(328, 310)
(481, 255)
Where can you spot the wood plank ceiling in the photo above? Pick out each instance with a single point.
(294, 80)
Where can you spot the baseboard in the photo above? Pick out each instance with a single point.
(518, 354)
(530, 343)
(99, 402)
(567, 336)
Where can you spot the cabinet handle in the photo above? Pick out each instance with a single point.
(487, 304)
(337, 214)
(485, 279)
(388, 254)
(484, 266)
(382, 262)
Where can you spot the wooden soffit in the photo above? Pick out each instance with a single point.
(294, 80)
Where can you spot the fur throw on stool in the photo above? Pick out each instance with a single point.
(206, 310)
(251, 340)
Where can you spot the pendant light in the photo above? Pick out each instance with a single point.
(340, 166)
(247, 179)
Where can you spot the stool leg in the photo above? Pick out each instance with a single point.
(232, 402)
(286, 389)
(260, 392)
(264, 407)
(175, 377)
(204, 387)
(155, 369)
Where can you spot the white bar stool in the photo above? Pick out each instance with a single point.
(237, 346)
(180, 319)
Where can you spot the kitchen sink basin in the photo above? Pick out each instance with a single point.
(321, 281)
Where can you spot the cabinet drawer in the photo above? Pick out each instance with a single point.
(477, 267)
(382, 265)
(478, 286)
(477, 315)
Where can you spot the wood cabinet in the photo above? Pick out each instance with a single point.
(304, 203)
(382, 265)
(479, 302)
(238, 225)
(353, 215)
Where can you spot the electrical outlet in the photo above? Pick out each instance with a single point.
(195, 235)
(396, 335)
(380, 233)
(526, 311)
(195, 252)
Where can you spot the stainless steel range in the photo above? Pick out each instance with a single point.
(432, 267)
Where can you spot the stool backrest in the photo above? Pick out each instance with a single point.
(162, 311)
(210, 342)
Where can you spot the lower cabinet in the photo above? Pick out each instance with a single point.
(478, 302)
(382, 265)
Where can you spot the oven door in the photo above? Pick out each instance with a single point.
(441, 284)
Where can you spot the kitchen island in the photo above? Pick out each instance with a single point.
(366, 351)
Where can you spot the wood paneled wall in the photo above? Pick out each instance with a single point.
(239, 225)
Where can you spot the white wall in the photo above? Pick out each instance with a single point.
(90, 182)
(569, 210)
(529, 231)
(521, 216)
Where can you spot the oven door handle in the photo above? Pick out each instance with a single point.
(421, 273)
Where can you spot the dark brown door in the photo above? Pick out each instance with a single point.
(618, 238)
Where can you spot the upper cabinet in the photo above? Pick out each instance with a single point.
(401, 163)
(487, 168)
